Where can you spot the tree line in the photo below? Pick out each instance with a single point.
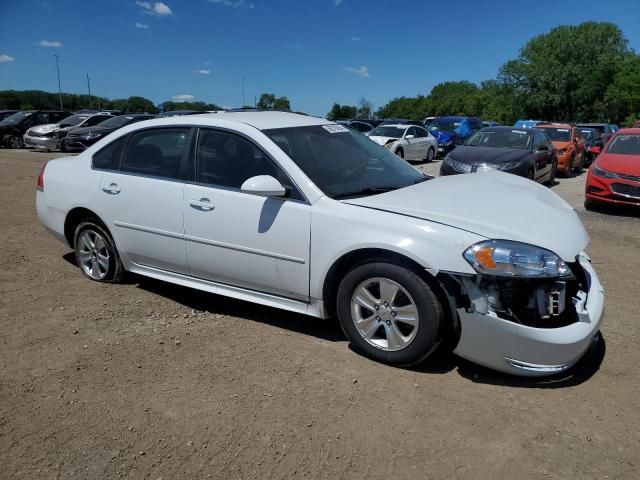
(585, 72)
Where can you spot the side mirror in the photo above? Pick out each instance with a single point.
(409, 137)
(543, 148)
(264, 186)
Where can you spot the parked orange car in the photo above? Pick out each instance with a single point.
(570, 145)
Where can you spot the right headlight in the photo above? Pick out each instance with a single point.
(505, 258)
(599, 172)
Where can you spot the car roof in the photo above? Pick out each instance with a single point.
(262, 120)
(506, 127)
(554, 125)
(624, 131)
(591, 124)
(397, 125)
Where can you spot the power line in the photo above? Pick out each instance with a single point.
(89, 88)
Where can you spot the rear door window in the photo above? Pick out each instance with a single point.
(157, 152)
(108, 158)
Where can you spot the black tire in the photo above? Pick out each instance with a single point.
(431, 154)
(14, 141)
(531, 174)
(63, 145)
(400, 153)
(590, 205)
(552, 175)
(430, 315)
(115, 271)
(580, 167)
(568, 173)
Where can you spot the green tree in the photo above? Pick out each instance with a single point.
(564, 74)
(269, 101)
(341, 112)
(622, 98)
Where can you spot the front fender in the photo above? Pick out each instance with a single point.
(339, 228)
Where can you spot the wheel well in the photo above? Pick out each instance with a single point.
(74, 217)
(369, 255)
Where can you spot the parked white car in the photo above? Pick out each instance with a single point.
(306, 215)
(406, 141)
(51, 136)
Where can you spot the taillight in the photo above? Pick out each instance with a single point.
(41, 179)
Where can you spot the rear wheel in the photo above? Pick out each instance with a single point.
(96, 254)
(389, 313)
(431, 154)
(14, 141)
(400, 153)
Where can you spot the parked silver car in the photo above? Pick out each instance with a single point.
(51, 136)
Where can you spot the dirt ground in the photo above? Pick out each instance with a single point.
(149, 380)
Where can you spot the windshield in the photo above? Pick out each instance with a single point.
(73, 120)
(343, 163)
(598, 128)
(625, 144)
(385, 131)
(18, 117)
(587, 134)
(446, 125)
(503, 138)
(117, 122)
(558, 134)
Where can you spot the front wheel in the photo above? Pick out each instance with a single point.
(389, 313)
(96, 254)
(400, 153)
(15, 141)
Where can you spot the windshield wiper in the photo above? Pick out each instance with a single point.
(366, 191)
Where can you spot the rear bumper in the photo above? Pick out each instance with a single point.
(528, 351)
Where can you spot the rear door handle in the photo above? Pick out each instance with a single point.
(112, 189)
(203, 204)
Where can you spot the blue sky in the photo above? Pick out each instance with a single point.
(315, 52)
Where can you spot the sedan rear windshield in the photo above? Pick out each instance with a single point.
(503, 138)
(558, 134)
(625, 144)
(391, 132)
(343, 163)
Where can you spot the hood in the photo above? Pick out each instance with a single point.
(50, 127)
(624, 164)
(560, 145)
(383, 140)
(97, 128)
(495, 205)
(492, 155)
(442, 136)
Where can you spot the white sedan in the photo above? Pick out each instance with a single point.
(305, 215)
(407, 141)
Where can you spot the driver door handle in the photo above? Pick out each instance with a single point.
(203, 204)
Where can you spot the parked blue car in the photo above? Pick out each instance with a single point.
(527, 123)
(452, 131)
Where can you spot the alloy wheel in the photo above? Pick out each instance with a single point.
(93, 254)
(14, 142)
(384, 314)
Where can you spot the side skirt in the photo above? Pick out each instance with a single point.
(313, 308)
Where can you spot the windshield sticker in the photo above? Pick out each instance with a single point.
(562, 130)
(335, 128)
(519, 131)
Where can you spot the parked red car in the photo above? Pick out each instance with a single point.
(614, 177)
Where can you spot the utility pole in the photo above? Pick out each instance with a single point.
(242, 92)
(89, 88)
(59, 85)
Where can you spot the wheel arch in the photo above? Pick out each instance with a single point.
(73, 219)
(360, 256)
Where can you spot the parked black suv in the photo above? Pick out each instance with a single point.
(15, 126)
(81, 138)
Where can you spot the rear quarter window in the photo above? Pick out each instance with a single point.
(108, 158)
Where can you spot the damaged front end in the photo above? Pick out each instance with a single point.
(525, 323)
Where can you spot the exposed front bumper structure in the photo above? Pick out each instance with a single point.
(47, 143)
(518, 349)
